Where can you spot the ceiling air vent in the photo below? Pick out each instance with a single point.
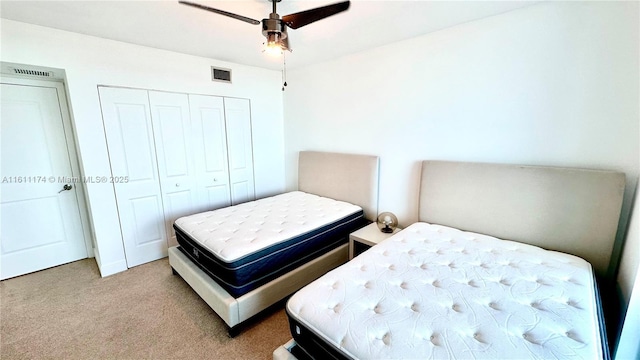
(33, 72)
(219, 74)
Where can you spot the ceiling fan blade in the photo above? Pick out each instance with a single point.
(303, 18)
(221, 12)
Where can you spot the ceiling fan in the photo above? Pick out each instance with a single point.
(274, 28)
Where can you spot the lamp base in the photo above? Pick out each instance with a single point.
(386, 230)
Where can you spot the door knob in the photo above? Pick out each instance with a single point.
(66, 187)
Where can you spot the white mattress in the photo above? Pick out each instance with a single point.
(234, 232)
(436, 292)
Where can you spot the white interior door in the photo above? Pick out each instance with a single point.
(41, 225)
(129, 131)
(173, 139)
(210, 152)
(239, 142)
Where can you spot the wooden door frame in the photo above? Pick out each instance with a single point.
(72, 148)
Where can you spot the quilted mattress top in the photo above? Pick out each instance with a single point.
(234, 232)
(432, 291)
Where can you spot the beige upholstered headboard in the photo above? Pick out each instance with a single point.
(346, 177)
(564, 209)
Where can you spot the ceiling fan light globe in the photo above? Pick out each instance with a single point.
(273, 49)
(274, 43)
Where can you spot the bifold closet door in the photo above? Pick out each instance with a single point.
(173, 141)
(130, 140)
(210, 152)
(240, 149)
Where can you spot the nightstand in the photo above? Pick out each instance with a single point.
(363, 239)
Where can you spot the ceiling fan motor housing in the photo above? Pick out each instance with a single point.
(274, 28)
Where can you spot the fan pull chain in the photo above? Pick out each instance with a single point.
(284, 71)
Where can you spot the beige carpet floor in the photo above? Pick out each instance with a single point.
(70, 312)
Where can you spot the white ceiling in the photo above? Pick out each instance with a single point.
(165, 24)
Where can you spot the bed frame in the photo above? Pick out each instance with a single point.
(346, 177)
(570, 210)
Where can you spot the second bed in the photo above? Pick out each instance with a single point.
(245, 258)
(436, 291)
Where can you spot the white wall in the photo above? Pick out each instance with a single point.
(556, 83)
(551, 84)
(90, 61)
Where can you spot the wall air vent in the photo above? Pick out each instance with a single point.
(31, 72)
(222, 75)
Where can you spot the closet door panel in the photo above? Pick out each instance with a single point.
(210, 152)
(172, 135)
(130, 140)
(241, 191)
(239, 142)
(178, 204)
(145, 212)
(216, 196)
